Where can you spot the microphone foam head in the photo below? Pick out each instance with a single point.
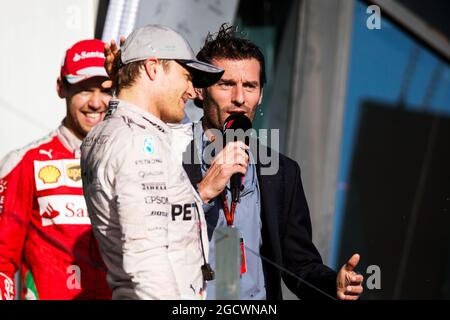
(237, 121)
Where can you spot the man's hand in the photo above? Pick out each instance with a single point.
(111, 50)
(232, 159)
(349, 283)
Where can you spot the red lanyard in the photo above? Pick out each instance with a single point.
(229, 215)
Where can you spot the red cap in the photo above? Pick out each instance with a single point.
(85, 59)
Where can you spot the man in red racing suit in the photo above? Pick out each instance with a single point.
(44, 224)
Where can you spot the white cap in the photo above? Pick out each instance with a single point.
(165, 43)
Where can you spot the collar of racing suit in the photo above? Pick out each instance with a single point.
(69, 140)
(179, 135)
(145, 115)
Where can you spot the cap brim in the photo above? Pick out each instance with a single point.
(203, 74)
(86, 73)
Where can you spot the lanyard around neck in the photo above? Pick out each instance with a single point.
(229, 215)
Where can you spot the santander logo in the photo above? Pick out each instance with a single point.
(63, 209)
(50, 212)
(86, 55)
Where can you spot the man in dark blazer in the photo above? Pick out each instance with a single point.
(273, 214)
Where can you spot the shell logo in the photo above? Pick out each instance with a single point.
(49, 174)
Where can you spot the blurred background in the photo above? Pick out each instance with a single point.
(361, 97)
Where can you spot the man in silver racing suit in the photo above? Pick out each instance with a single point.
(146, 215)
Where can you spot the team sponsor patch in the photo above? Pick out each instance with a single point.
(159, 213)
(3, 187)
(146, 174)
(143, 162)
(49, 174)
(87, 55)
(185, 212)
(148, 146)
(153, 186)
(73, 172)
(56, 173)
(48, 153)
(63, 209)
(7, 284)
(156, 200)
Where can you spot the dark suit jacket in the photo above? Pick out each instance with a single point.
(286, 232)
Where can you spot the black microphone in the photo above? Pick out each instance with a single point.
(234, 122)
